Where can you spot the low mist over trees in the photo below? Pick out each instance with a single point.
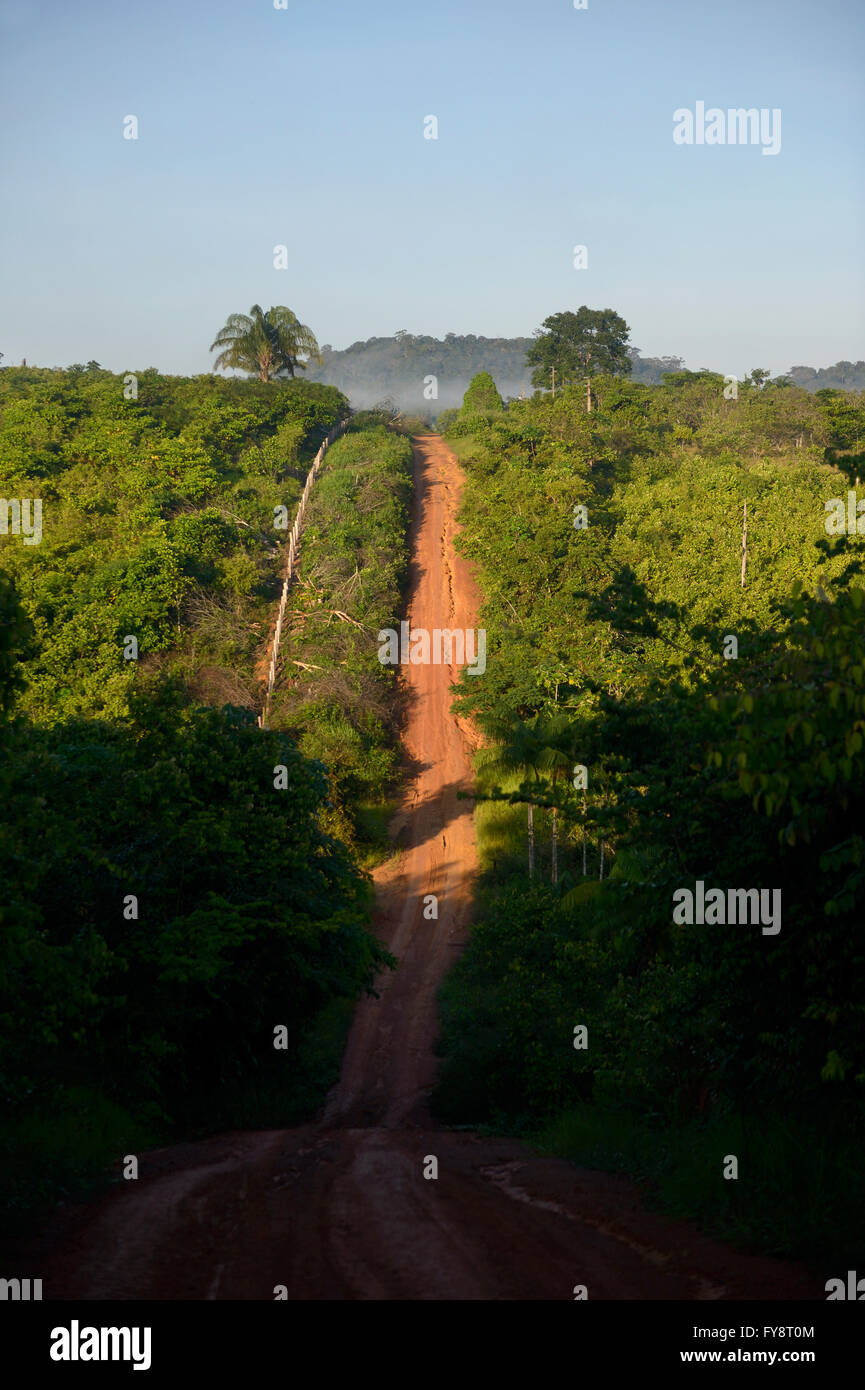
(398, 369)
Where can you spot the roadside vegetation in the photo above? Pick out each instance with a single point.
(184, 927)
(633, 750)
(333, 695)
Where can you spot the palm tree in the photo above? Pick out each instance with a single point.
(265, 344)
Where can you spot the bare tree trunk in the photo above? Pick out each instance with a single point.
(531, 840)
(585, 869)
(601, 874)
(555, 874)
(588, 395)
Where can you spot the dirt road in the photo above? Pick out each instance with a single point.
(341, 1209)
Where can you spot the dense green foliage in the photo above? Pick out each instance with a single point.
(173, 891)
(481, 396)
(608, 647)
(481, 402)
(158, 522)
(334, 695)
(248, 915)
(579, 344)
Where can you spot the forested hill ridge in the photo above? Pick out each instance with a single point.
(841, 376)
(397, 368)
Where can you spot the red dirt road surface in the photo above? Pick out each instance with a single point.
(341, 1209)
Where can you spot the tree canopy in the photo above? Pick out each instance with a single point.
(194, 882)
(666, 725)
(481, 395)
(266, 345)
(579, 345)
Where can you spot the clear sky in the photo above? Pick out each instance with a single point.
(304, 126)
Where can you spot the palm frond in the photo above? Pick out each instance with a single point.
(268, 344)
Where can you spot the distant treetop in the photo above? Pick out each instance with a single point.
(482, 395)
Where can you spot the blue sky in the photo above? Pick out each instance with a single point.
(304, 127)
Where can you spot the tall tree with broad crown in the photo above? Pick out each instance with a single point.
(580, 344)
